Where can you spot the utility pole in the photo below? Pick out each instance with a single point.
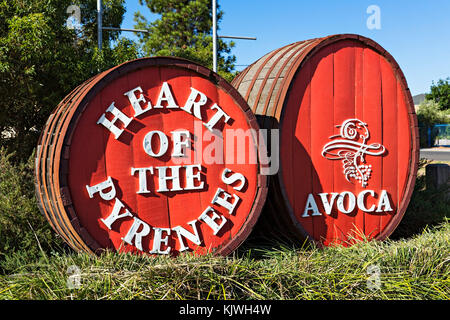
(215, 36)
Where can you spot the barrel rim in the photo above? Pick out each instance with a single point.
(101, 80)
(56, 221)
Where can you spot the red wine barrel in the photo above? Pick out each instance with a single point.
(141, 158)
(349, 145)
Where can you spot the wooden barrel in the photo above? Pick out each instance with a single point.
(348, 137)
(140, 159)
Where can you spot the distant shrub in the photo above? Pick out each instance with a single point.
(440, 92)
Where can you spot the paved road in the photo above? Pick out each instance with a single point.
(440, 154)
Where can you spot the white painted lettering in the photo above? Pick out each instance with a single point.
(224, 202)
(136, 101)
(142, 178)
(233, 178)
(181, 141)
(158, 240)
(165, 95)
(115, 214)
(351, 202)
(361, 204)
(163, 178)
(133, 233)
(216, 117)
(190, 102)
(163, 143)
(328, 206)
(109, 124)
(211, 221)
(191, 177)
(193, 237)
(384, 202)
(311, 205)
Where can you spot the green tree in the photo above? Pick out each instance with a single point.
(184, 30)
(41, 60)
(440, 92)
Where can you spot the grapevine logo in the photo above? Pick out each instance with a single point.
(350, 147)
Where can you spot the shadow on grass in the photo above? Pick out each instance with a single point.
(258, 247)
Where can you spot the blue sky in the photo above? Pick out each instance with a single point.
(416, 33)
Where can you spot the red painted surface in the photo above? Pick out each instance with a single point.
(93, 154)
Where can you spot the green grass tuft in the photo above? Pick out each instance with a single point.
(417, 268)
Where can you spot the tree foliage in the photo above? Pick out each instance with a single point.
(41, 60)
(440, 92)
(429, 113)
(184, 30)
(22, 227)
